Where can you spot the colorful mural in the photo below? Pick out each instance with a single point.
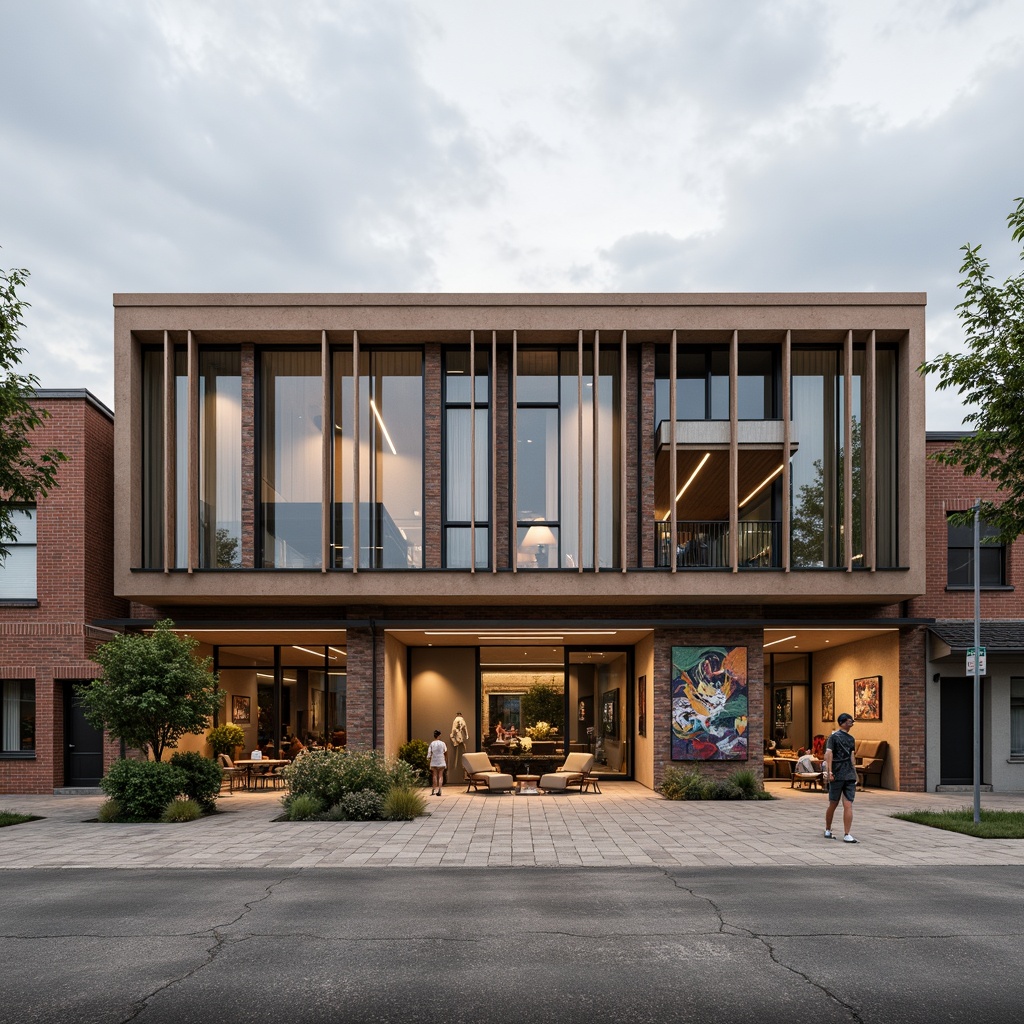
(709, 703)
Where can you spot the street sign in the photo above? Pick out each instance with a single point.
(970, 662)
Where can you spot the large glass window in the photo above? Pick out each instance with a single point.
(290, 458)
(153, 459)
(466, 463)
(556, 438)
(18, 569)
(220, 459)
(18, 716)
(390, 454)
(960, 556)
(1017, 716)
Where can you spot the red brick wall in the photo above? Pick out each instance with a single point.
(912, 710)
(947, 490)
(50, 641)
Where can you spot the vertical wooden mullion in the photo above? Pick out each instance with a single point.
(848, 448)
(192, 508)
(672, 481)
(492, 408)
(734, 452)
(170, 451)
(595, 495)
(355, 451)
(579, 456)
(869, 439)
(327, 419)
(787, 444)
(472, 451)
(623, 441)
(513, 445)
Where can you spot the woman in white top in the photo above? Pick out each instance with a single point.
(438, 753)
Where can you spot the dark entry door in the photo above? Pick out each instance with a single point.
(956, 732)
(83, 760)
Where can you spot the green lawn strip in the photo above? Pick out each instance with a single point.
(993, 824)
(14, 818)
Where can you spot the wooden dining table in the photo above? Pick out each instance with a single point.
(269, 763)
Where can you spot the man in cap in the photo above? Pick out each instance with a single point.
(841, 775)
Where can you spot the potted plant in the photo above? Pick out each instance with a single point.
(225, 739)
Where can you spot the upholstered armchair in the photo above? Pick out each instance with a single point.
(571, 774)
(481, 774)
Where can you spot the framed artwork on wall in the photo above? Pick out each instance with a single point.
(867, 699)
(610, 714)
(828, 702)
(709, 704)
(641, 706)
(240, 709)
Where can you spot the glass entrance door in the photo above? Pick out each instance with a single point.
(600, 712)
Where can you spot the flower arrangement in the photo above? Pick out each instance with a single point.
(540, 731)
(526, 743)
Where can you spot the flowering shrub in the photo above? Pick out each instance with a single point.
(540, 731)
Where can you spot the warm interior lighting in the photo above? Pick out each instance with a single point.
(387, 436)
(782, 640)
(764, 483)
(682, 491)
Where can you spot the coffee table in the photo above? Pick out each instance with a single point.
(526, 785)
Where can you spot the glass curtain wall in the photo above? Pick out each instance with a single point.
(290, 459)
(886, 530)
(466, 451)
(390, 457)
(220, 459)
(551, 447)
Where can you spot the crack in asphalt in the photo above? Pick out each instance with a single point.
(764, 940)
(212, 952)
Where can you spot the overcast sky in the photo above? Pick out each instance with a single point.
(454, 145)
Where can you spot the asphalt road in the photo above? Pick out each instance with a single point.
(515, 946)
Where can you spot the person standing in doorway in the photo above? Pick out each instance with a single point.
(459, 736)
(840, 773)
(438, 753)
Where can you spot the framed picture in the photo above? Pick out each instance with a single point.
(641, 706)
(828, 702)
(240, 709)
(867, 699)
(709, 704)
(610, 714)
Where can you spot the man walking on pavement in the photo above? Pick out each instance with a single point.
(841, 775)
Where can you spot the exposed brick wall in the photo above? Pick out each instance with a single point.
(647, 454)
(947, 490)
(50, 642)
(248, 365)
(661, 713)
(431, 512)
(912, 710)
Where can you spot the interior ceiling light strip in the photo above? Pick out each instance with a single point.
(764, 483)
(682, 490)
(781, 640)
(387, 436)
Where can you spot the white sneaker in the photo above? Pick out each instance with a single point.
(848, 838)
(828, 834)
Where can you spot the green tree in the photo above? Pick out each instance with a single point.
(24, 475)
(989, 376)
(153, 690)
(542, 703)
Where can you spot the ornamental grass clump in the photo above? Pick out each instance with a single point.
(403, 804)
(181, 810)
(305, 808)
(690, 783)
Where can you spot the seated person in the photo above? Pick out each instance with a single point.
(806, 762)
(296, 747)
(339, 737)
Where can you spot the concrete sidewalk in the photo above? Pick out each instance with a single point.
(626, 825)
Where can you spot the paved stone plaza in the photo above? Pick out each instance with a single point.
(625, 825)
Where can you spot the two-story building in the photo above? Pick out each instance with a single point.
(949, 688)
(55, 583)
(695, 519)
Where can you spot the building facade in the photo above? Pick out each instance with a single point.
(689, 518)
(949, 704)
(56, 582)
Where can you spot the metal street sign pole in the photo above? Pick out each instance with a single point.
(977, 661)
